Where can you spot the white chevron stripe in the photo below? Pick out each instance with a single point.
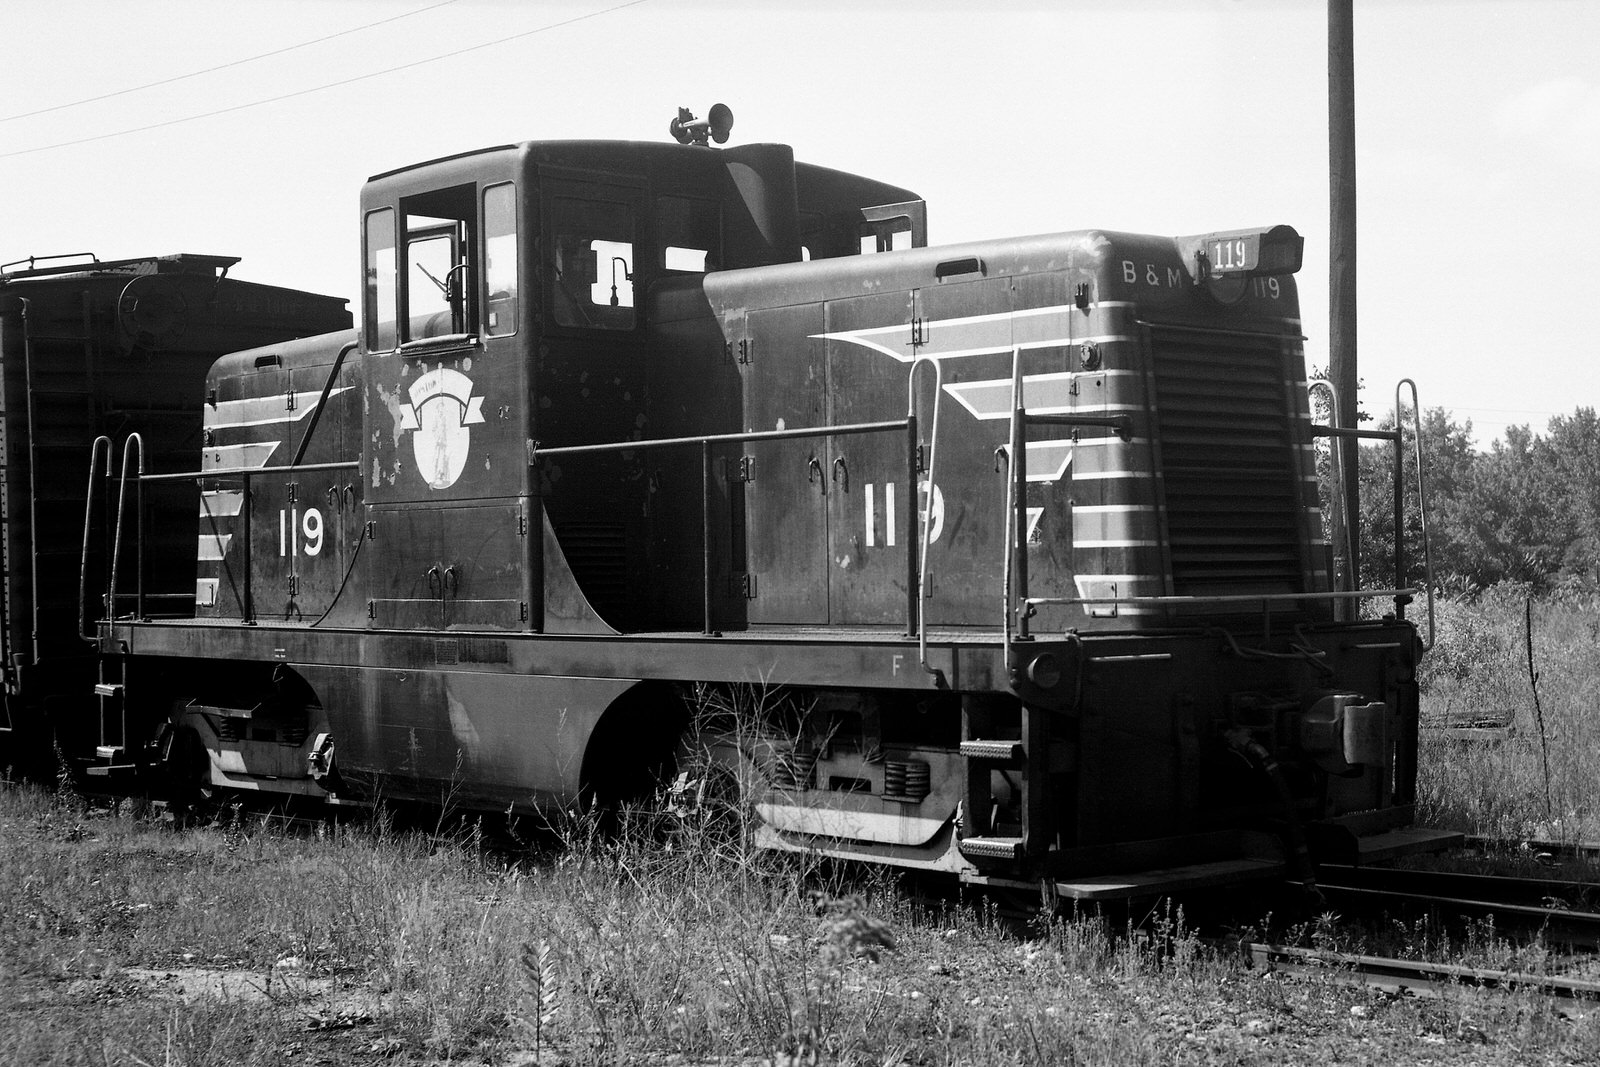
(1048, 460)
(225, 457)
(214, 546)
(1042, 394)
(980, 335)
(220, 503)
(266, 410)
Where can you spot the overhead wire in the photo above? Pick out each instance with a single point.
(329, 85)
(223, 66)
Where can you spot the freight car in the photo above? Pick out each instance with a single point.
(1003, 559)
(89, 350)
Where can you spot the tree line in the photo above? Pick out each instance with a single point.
(1526, 510)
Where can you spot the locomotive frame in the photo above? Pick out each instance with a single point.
(1020, 539)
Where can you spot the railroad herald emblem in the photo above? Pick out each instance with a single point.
(440, 413)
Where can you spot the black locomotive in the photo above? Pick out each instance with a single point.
(92, 351)
(1004, 558)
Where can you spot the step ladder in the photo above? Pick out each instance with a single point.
(111, 754)
(1028, 758)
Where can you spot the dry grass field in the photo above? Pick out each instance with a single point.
(123, 941)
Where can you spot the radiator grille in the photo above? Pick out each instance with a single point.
(1228, 464)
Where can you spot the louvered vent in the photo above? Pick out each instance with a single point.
(1228, 462)
(597, 552)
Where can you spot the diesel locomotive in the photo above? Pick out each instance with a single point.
(92, 350)
(1004, 559)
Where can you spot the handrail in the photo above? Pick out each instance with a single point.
(1008, 536)
(1422, 495)
(537, 452)
(1364, 435)
(1395, 437)
(88, 515)
(1016, 552)
(1340, 475)
(94, 261)
(1220, 598)
(245, 597)
(33, 468)
(128, 451)
(234, 472)
(1014, 570)
(924, 516)
(322, 402)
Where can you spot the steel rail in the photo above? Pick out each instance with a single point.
(1556, 850)
(1414, 976)
(1564, 926)
(1506, 889)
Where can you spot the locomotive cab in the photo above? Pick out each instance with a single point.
(463, 378)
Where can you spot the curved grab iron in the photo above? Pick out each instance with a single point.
(923, 514)
(88, 515)
(1336, 451)
(128, 451)
(1422, 494)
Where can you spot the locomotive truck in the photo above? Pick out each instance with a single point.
(1005, 558)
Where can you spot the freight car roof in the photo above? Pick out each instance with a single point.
(177, 263)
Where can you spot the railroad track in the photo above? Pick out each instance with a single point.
(1562, 912)
(1547, 851)
(1415, 978)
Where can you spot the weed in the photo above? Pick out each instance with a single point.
(540, 999)
(1540, 779)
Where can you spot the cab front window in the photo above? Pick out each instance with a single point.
(439, 295)
(593, 264)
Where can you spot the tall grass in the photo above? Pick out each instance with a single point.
(640, 947)
(1543, 779)
(670, 938)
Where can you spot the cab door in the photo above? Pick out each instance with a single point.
(443, 480)
(591, 386)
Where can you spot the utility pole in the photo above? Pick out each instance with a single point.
(1342, 254)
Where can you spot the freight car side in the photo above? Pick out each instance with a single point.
(105, 349)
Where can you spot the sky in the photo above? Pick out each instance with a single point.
(245, 128)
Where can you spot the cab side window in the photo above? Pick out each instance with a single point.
(689, 231)
(885, 235)
(593, 264)
(500, 254)
(380, 301)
